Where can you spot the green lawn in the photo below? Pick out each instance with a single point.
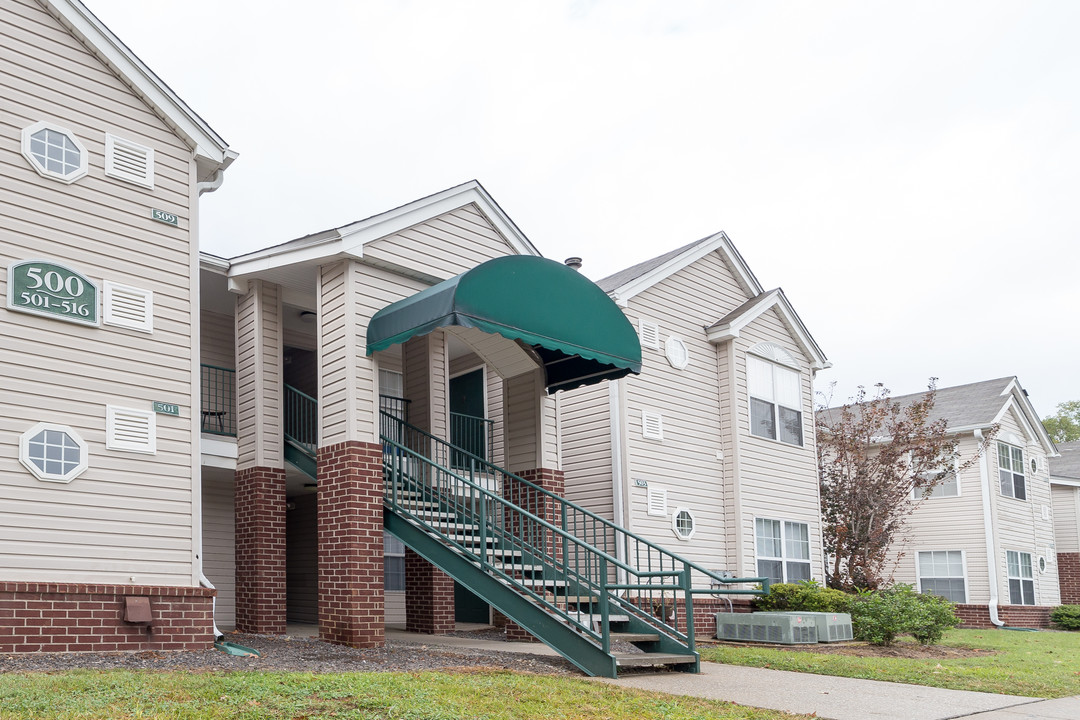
(415, 696)
(1040, 664)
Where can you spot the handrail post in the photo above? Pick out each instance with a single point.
(688, 593)
(605, 610)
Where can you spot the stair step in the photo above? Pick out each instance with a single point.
(558, 600)
(635, 637)
(645, 659)
(593, 619)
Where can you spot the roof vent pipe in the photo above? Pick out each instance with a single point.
(574, 262)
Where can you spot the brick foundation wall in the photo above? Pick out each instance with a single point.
(260, 550)
(978, 616)
(542, 506)
(350, 512)
(429, 597)
(76, 617)
(1069, 577)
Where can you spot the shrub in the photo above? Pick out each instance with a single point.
(807, 596)
(1067, 616)
(878, 617)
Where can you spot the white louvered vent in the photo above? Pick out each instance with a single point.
(652, 425)
(657, 501)
(130, 430)
(128, 307)
(650, 334)
(129, 161)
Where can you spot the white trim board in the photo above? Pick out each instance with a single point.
(773, 299)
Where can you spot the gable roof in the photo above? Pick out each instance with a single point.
(731, 325)
(349, 240)
(979, 405)
(211, 152)
(625, 284)
(1067, 465)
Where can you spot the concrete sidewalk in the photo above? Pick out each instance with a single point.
(830, 697)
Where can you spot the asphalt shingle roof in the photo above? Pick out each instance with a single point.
(974, 404)
(611, 282)
(1068, 465)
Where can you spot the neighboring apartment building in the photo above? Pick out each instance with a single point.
(712, 446)
(1065, 486)
(985, 538)
(103, 166)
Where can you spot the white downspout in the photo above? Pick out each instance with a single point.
(205, 582)
(988, 526)
(618, 492)
(213, 183)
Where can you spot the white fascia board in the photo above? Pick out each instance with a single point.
(771, 299)
(84, 24)
(719, 241)
(1065, 482)
(213, 263)
(349, 240)
(1033, 427)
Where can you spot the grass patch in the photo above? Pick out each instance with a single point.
(127, 695)
(1039, 664)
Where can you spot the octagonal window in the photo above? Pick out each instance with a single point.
(54, 152)
(682, 523)
(54, 453)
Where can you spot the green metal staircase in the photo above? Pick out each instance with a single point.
(301, 430)
(576, 581)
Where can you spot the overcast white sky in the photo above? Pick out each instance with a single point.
(908, 172)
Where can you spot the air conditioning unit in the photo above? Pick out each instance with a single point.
(831, 627)
(781, 629)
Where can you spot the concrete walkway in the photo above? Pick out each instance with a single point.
(830, 697)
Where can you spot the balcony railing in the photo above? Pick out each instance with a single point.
(218, 400)
(472, 434)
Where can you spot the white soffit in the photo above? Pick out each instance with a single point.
(206, 144)
(505, 356)
(718, 242)
(349, 240)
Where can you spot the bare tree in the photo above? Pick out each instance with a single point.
(878, 460)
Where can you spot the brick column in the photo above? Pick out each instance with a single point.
(544, 507)
(1069, 577)
(260, 550)
(350, 518)
(429, 597)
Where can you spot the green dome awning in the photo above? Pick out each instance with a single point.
(576, 330)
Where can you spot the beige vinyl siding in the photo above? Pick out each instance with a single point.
(219, 549)
(351, 293)
(1066, 518)
(1019, 524)
(394, 607)
(777, 480)
(521, 418)
(129, 515)
(950, 523)
(442, 247)
(302, 561)
(259, 376)
(217, 344)
(424, 360)
(685, 462)
(586, 448)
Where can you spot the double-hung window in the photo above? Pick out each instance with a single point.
(941, 572)
(775, 401)
(393, 563)
(783, 550)
(1011, 471)
(1021, 579)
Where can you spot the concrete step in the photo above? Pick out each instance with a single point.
(635, 637)
(650, 659)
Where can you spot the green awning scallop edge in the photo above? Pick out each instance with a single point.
(579, 333)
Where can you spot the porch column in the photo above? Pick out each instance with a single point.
(532, 453)
(260, 465)
(429, 592)
(349, 467)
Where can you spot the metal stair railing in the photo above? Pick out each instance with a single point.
(590, 554)
(301, 421)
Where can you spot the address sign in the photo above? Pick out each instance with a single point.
(50, 289)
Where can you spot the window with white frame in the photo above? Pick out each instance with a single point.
(1021, 579)
(775, 401)
(54, 453)
(783, 550)
(54, 152)
(1011, 471)
(948, 487)
(393, 563)
(682, 523)
(941, 572)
